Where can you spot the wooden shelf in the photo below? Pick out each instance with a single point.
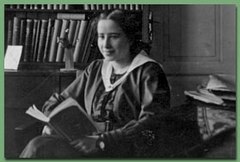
(48, 66)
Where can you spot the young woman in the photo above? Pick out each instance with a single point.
(126, 92)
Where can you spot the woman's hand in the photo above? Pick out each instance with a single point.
(47, 130)
(86, 144)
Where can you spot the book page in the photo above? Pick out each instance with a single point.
(34, 112)
(64, 105)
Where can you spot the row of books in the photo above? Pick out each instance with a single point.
(82, 7)
(40, 6)
(113, 6)
(43, 39)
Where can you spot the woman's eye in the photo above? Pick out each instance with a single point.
(100, 36)
(114, 36)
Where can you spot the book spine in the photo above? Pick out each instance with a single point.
(67, 7)
(86, 41)
(104, 6)
(24, 6)
(10, 32)
(29, 6)
(63, 35)
(127, 6)
(86, 6)
(132, 7)
(43, 6)
(71, 16)
(56, 33)
(48, 40)
(36, 45)
(76, 32)
(35, 6)
(72, 28)
(56, 6)
(49, 6)
(42, 40)
(121, 6)
(93, 7)
(28, 40)
(61, 7)
(115, 6)
(35, 24)
(97, 7)
(110, 6)
(16, 31)
(137, 7)
(19, 6)
(100, 6)
(92, 38)
(81, 34)
(22, 31)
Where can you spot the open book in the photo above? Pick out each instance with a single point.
(68, 119)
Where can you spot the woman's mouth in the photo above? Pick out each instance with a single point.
(108, 52)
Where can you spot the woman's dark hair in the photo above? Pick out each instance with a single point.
(130, 25)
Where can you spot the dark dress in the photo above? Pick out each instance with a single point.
(136, 105)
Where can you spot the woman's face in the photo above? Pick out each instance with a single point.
(112, 41)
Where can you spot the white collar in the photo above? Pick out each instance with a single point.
(139, 60)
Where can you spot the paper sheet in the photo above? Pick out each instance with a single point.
(12, 57)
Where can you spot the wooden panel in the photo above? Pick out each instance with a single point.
(194, 39)
(194, 30)
(24, 89)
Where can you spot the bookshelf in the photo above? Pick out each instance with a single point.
(38, 74)
(40, 29)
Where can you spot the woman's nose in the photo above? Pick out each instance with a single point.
(106, 43)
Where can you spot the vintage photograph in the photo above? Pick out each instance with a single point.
(120, 81)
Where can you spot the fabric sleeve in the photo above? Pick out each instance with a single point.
(155, 107)
(74, 90)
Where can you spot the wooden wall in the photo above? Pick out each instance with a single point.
(193, 41)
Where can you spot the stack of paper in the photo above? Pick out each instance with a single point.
(219, 90)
